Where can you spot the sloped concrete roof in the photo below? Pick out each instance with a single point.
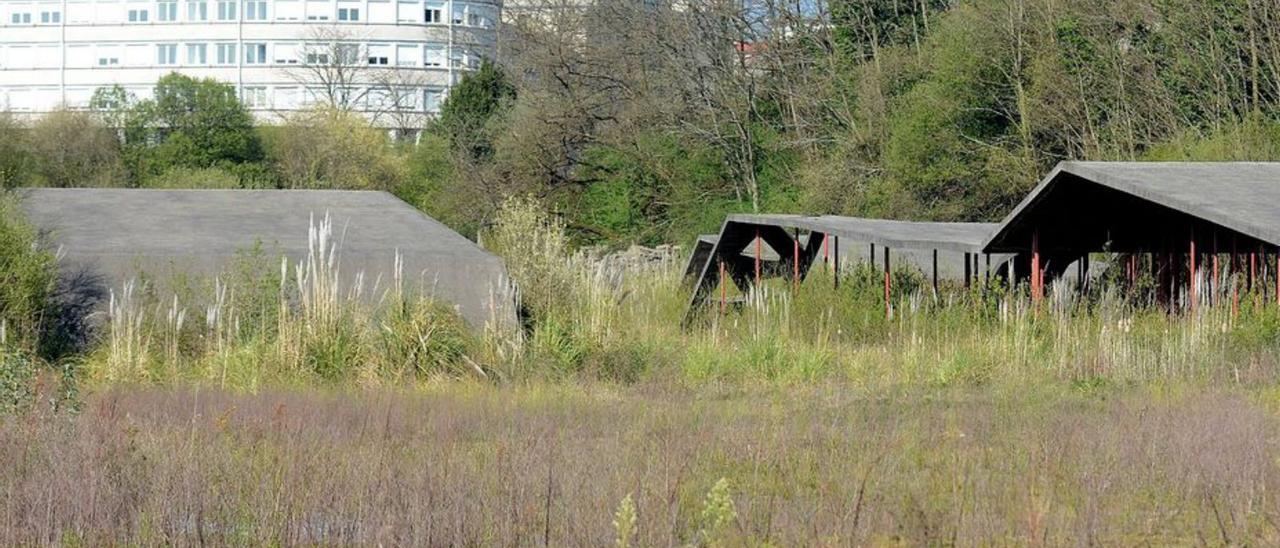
(962, 237)
(1240, 196)
(116, 234)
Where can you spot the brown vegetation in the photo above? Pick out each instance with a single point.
(518, 466)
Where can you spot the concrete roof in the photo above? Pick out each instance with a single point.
(963, 237)
(117, 233)
(1241, 196)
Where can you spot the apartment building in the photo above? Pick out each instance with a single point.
(394, 60)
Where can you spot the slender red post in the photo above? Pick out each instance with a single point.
(1253, 268)
(835, 255)
(888, 308)
(1235, 300)
(1035, 267)
(759, 251)
(826, 250)
(1195, 291)
(1213, 290)
(723, 289)
(795, 259)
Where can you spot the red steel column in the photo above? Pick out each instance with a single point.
(723, 288)
(795, 259)
(1253, 268)
(826, 250)
(759, 250)
(1035, 266)
(1194, 291)
(835, 256)
(888, 310)
(1213, 289)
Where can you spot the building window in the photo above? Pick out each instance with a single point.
(167, 11)
(108, 61)
(255, 10)
(255, 97)
(406, 100)
(431, 100)
(434, 15)
(348, 14)
(197, 54)
(50, 17)
(166, 54)
(21, 18)
(226, 11)
(197, 10)
(226, 54)
(255, 54)
(138, 16)
(433, 56)
(348, 54)
(317, 58)
(378, 60)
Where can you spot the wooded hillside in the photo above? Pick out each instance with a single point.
(648, 125)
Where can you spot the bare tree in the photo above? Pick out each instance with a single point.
(395, 99)
(334, 62)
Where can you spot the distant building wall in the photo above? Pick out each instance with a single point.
(58, 53)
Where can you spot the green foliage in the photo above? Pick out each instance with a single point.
(201, 123)
(73, 149)
(465, 113)
(536, 251)
(188, 123)
(28, 275)
(718, 513)
(657, 189)
(333, 149)
(624, 523)
(430, 184)
(186, 177)
(420, 338)
(15, 158)
(17, 381)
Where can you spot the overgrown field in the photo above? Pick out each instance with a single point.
(471, 464)
(274, 405)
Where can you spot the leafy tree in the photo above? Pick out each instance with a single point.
(201, 123)
(188, 123)
(330, 148)
(73, 148)
(466, 112)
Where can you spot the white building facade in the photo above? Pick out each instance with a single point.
(399, 57)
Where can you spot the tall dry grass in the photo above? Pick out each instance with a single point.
(626, 324)
(597, 318)
(301, 322)
(557, 465)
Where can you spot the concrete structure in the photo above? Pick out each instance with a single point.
(743, 249)
(1179, 221)
(391, 59)
(109, 236)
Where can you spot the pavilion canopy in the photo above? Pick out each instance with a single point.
(1085, 207)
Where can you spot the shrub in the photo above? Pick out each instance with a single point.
(17, 381)
(329, 148)
(15, 159)
(187, 177)
(536, 250)
(74, 149)
(28, 276)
